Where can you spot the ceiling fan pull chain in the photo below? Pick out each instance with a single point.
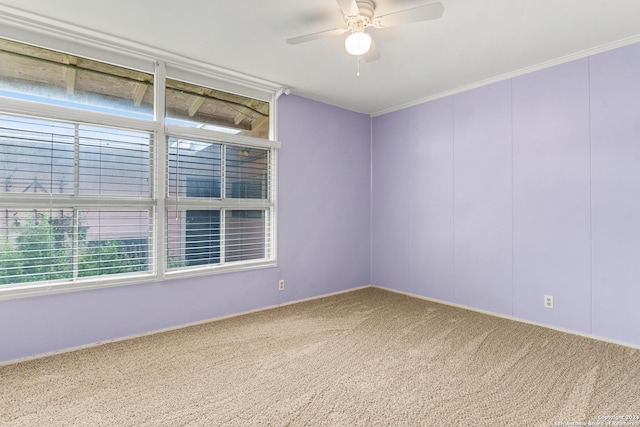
(358, 67)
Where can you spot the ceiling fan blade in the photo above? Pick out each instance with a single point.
(348, 7)
(315, 36)
(417, 14)
(372, 54)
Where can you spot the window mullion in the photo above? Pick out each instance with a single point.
(76, 186)
(76, 159)
(223, 196)
(223, 172)
(76, 243)
(223, 235)
(273, 197)
(159, 172)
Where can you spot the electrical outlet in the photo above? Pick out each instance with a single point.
(281, 285)
(548, 301)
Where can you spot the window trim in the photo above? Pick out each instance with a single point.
(127, 54)
(221, 137)
(269, 204)
(40, 110)
(30, 109)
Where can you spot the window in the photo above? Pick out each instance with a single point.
(206, 108)
(94, 191)
(33, 73)
(219, 206)
(76, 200)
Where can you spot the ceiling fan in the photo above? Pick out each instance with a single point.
(359, 15)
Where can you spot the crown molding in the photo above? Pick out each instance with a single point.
(547, 64)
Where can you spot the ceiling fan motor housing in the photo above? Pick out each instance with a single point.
(366, 8)
(364, 17)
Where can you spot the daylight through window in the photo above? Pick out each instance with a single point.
(94, 191)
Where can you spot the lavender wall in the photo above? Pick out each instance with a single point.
(615, 199)
(534, 186)
(551, 195)
(34, 326)
(482, 196)
(323, 245)
(324, 198)
(413, 200)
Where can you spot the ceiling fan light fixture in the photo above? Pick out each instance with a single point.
(358, 43)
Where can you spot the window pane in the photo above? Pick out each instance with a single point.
(36, 156)
(114, 162)
(194, 169)
(30, 72)
(113, 242)
(245, 235)
(247, 176)
(193, 238)
(37, 245)
(193, 105)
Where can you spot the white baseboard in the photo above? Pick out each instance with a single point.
(517, 319)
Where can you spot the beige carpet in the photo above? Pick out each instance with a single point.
(364, 358)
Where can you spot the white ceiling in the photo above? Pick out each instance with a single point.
(476, 41)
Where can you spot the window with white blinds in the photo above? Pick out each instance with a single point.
(105, 181)
(47, 157)
(220, 205)
(64, 244)
(76, 200)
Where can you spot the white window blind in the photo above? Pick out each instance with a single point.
(67, 244)
(220, 204)
(75, 200)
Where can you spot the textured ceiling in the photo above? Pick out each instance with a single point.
(475, 41)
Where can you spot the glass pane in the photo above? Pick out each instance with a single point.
(113, 162)
(193, 238)
(36, 156)
(111, 242)
(36, 245)
(193, 105)
(194, 169)
(247, 176)
(30, 72)
(245, 235)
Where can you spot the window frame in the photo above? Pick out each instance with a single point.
(138, 58)
(36, 110)
(269, 204)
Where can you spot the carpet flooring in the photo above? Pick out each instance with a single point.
(364, 358)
